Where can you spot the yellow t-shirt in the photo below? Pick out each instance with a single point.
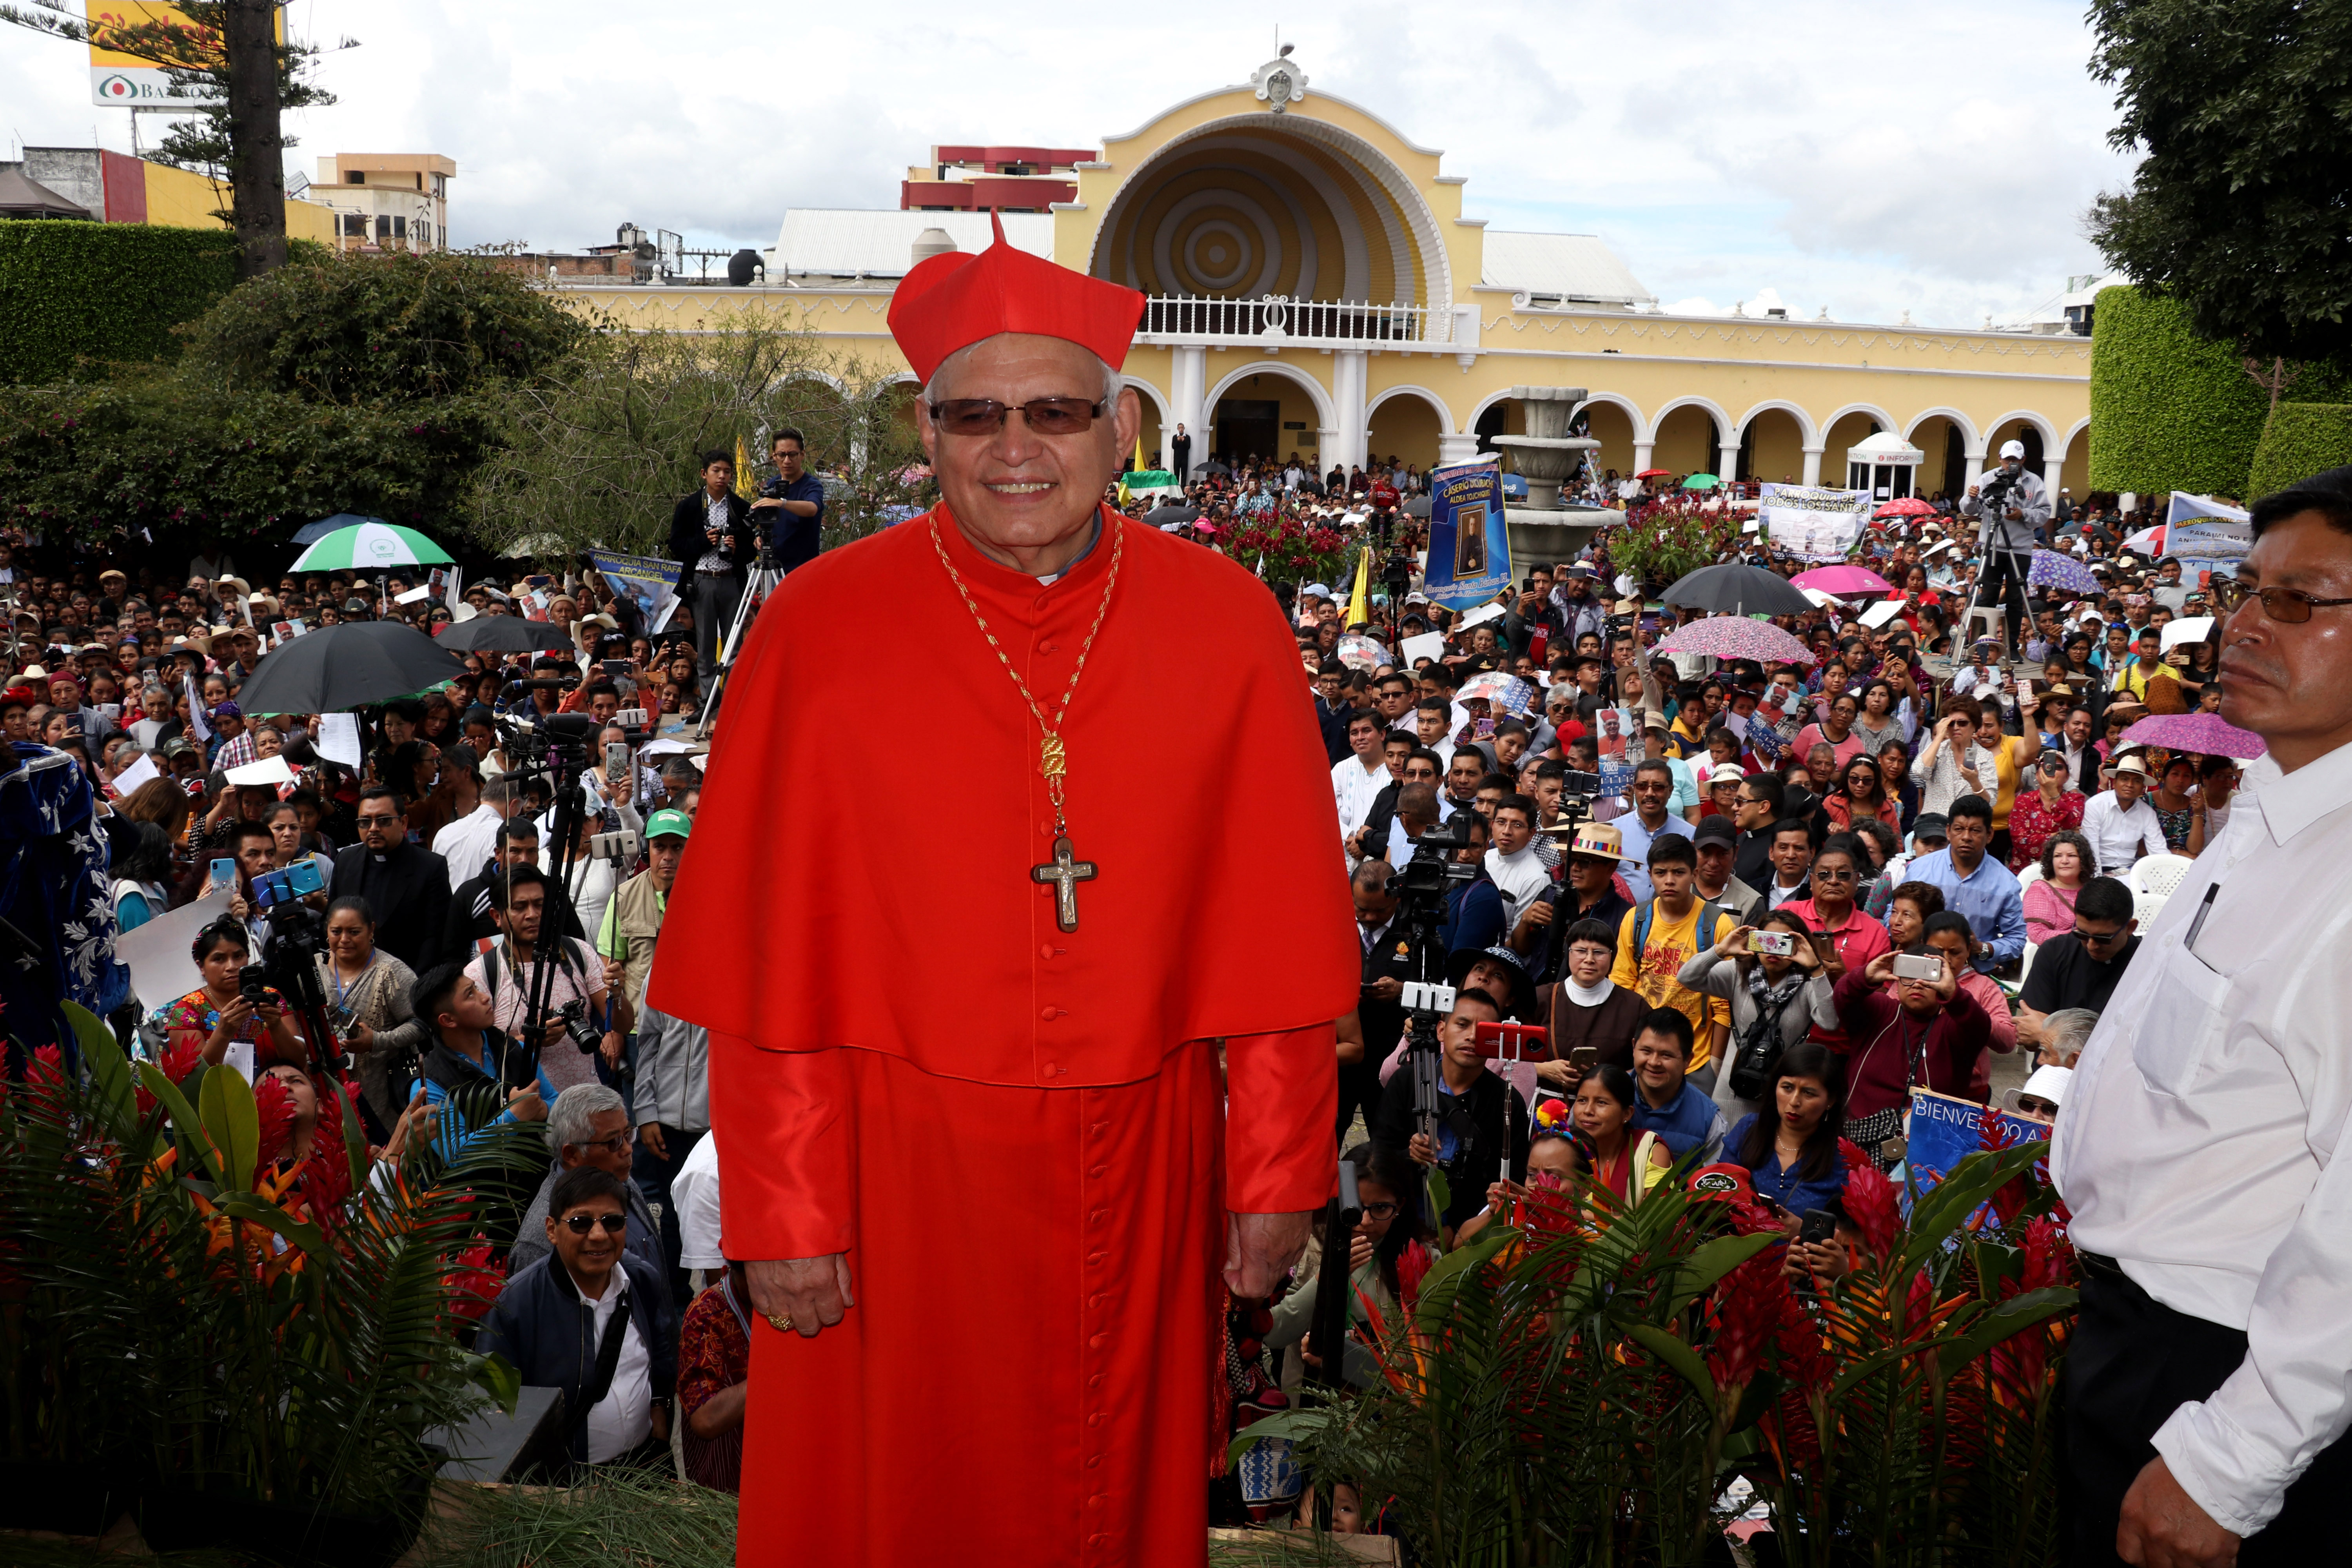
(1649, 971)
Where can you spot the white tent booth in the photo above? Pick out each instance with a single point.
(1883, 464)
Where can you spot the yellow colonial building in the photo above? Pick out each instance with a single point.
(1315, 287)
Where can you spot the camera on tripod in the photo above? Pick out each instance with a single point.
(1422, 880)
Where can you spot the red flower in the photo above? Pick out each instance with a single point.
(1747, 1312)
(1412, 1266)
(473, 1285)
(1871, 1205)
(275, 1107)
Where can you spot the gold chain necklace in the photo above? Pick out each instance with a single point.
(1065, 870)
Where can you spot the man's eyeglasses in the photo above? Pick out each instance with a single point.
(1822, 874)
(610, 1224)
(2290, 606)
(377, 821)
(986, 417)
(618, 1143)
(2098, 938)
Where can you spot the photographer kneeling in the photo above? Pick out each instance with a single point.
(475, 1078)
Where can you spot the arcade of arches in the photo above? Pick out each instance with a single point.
(1316, 286)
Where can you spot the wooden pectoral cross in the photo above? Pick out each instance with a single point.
(1065, 871)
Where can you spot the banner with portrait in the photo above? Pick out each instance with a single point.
(1812, 522)
(1469, 543)
(2207, 535)
(646, 580)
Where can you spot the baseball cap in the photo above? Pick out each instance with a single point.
(1930, 824)
(1715, 830)
(669, 823)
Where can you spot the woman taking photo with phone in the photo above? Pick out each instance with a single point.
(2050, 807)
(1778, 992)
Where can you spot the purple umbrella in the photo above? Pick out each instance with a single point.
(2206, 735)
(1736, 636)
(2053, 568)
(1844, 579)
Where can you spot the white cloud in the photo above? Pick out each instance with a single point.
(1871, 159)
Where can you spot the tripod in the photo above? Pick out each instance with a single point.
(757, 586)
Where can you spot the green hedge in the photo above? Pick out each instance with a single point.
(2300, 440)
(102, 291)
(2169, 409)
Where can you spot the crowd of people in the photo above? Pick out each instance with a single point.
(1755, 905)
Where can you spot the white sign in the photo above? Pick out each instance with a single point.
(338, 739)
(149, 86)
(1811, 522)
(157, 953)
(2206, 535)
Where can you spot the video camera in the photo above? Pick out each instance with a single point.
(293, 961)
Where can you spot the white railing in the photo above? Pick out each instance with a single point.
(1280, 319)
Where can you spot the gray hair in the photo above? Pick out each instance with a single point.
(573, 1118)
(2067, 1030)
(1112, 383)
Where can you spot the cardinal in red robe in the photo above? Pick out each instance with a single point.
(1022, 1055)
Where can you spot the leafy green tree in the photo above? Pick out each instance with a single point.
(374, 384)
(2243, 112)
(598, 450)
(227, 60)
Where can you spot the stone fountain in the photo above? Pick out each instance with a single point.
(1543, 529)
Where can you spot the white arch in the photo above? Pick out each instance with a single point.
(1885, 421)
(2049, 433)
(1444, 414)
(1804, 420)
(1366, 163)
(1152, 395)
(1722, 421)
(1971, 437)
(2079, 427)
(1325, 414)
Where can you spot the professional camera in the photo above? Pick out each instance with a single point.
(574, 1017)
(1433, 868)
(292, 960)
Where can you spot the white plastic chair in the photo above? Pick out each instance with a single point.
(2158, 874)
(2146, 907)
(2033, 873)
(2024, 967)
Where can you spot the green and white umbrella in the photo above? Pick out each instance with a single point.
(375, 547)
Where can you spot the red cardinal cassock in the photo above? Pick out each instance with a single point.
(1019, 1134)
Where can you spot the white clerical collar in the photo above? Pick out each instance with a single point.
(1092, 540)
(1590, 996)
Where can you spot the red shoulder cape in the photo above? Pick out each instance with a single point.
(858, 873)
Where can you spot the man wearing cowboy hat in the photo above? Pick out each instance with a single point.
(2119, 822)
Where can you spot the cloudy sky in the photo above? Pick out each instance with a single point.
(1868, 159)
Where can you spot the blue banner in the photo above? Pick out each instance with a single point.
(1944, 1131)
(1469, 545)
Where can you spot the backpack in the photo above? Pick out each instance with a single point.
(1702, 932)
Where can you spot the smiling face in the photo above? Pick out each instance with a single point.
(1014, 491)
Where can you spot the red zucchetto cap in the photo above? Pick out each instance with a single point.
(948, 303)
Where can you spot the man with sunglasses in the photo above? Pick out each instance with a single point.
(2201, 1146)
(2079, 968)
(1064, 1042)
(594, 1320)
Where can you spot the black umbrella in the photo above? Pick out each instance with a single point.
(504, 634)
(1743, 590)
(338, 667)
(1213, 466)
(1159, 514)
(1416, 506)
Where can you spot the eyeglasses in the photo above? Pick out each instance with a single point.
(1822, 874)
(986, 417)
(2289, 606)
(2098, 939)
(618, 1143)
(377, 821)
(2036, 1106)
(1379, 1211)
(610, 1224)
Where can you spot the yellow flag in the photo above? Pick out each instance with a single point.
(1359, 603)
(745, 485)
(1139, 450)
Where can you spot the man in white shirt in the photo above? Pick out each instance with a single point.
(1358, 777)
(466, 843)
(1432, 717)
(2201, 1145)
(2119, 822)
(1518, 876)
